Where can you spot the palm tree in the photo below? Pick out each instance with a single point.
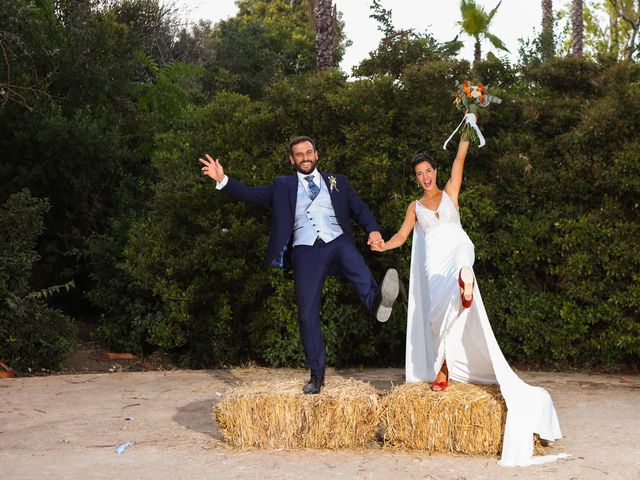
(324, 16)
(475, 23)
(547, 46)
(577, 27)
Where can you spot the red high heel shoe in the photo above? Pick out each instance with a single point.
(439, 386)
(467, 283)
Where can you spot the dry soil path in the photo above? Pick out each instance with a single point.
(67, 427)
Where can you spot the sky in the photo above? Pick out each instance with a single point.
(514, 19)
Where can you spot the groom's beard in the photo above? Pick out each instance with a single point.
(306, 167)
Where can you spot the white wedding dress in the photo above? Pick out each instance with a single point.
(439, 328)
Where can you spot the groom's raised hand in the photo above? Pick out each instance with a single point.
(212, 168)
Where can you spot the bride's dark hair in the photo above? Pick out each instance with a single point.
(423, 157)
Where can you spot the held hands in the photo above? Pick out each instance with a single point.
(379, 246)
(375, 242)
(212, 168)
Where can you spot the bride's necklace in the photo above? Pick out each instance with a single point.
(435, 211)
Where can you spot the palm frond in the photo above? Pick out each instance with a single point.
(495, 41)
(474, 18)
(493, 12)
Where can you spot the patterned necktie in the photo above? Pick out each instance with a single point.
(313, 188)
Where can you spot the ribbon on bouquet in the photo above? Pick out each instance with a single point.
(469, 118)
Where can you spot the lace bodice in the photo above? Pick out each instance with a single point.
(445, 214)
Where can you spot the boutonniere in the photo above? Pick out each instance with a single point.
(333, 183)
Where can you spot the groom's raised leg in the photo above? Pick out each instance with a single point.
(378, 299)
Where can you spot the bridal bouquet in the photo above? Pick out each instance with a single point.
(470, 98)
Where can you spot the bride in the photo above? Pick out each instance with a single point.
(449, 336)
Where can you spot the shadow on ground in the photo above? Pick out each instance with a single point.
(196, 416)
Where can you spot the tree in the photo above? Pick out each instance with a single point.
(625, 19)
(610, 29)
(577, 28)
(21, 91)
(400, 48)
(191, 43)
(476, 22)
(383, 17)
(547, 46)
(67, 8)
(263, 42)
(324, 15)
(85, 145)
(155, 23)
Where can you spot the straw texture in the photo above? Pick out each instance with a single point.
(278, 415)
(464, 419)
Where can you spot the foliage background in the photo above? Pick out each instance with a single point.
(107, 106)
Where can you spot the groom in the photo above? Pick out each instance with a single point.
(311, 217)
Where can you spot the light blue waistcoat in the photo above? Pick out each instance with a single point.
(315, 218)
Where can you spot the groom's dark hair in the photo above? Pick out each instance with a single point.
(300, 139)
(423, 157)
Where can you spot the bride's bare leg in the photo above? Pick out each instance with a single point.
(442, 378)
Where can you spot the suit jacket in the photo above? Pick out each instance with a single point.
(282, 194)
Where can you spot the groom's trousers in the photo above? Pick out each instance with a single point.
(311, 266)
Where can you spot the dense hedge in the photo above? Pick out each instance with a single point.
(105, 107)
(551, 203)
(31, 333)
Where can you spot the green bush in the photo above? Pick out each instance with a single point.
(551, 203)
(32, 335)
(111, 137)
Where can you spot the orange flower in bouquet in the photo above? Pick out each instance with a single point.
(470, 98)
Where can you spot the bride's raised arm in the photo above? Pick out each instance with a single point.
(399, 238)
(455, 181)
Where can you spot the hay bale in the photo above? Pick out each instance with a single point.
(278, 415)
(465, 419)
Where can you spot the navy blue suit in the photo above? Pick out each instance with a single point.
(312, 264)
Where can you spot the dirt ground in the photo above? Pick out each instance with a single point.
(68, 427)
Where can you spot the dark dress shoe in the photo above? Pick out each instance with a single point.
(387, 294)
(314, 385)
